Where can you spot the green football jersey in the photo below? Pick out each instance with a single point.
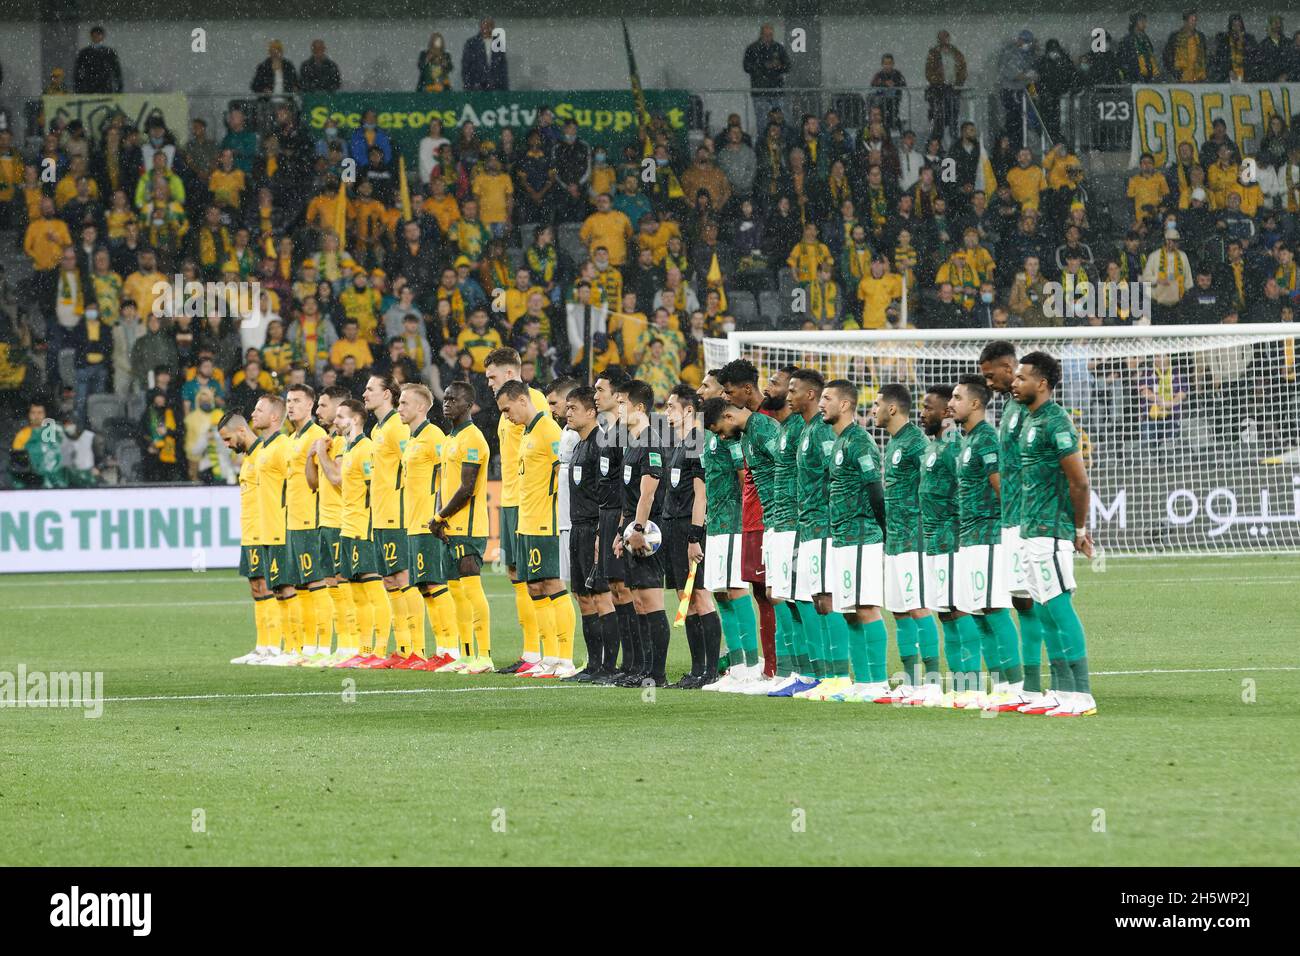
(813, 480)
(758, 445)
(783, 513)
(1045, 509)
(721, 486)
(981, 515)
(940, 515)
(1009, 427)
(855, 464)
(903, 456)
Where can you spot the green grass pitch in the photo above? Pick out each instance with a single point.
(1192, 759)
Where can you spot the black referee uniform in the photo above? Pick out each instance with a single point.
(645, 456)
(681, 468)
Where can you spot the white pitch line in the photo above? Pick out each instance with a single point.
(1193, 670)
(334, 693)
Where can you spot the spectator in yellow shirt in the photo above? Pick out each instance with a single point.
(655, 234)
(1221, 177)
(609, 228)
(517, 295)
(876, 291)
(807, 255)
(1147, 188)
(441, 205)
(478, 339)
(496, 197)
(227, 183)
(1026, 180)
(351, 345)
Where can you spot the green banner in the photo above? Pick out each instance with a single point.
(604, 117)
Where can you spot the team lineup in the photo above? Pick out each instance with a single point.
(782, 528)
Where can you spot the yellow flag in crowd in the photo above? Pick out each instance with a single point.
(341, 215)
(404, 188)
(714, 280)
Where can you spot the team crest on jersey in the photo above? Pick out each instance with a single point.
(1030, 437)
(627, 474)
(965, 456)
(402, 444)
(898, 455)
(804, 446)
(604, 465)
(783, 443)
(929, 462)
(675, 476)
(839, 457)
(1012, 422)
(577, 474)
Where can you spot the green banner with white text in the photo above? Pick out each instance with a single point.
(604, 117)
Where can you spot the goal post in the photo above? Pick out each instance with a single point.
(1191, 434)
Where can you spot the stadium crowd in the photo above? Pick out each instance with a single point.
(583, 258)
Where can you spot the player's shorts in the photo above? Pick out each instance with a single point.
(778, 558)
(252, 564)
(857, 576)
(676, 561)
(752, 570)
(427, 559)
(722, 562)
(305, 551)
(1051, 567)
(279, 564)
(461, 546)
(358, 557)
(1017, 571)
(644, 573)
(981, 578)
(940, 581)
(583, 564)
(392, 549)
(539, 557)
(331, 555)
(564, 554)
(612, 567)
(812, 573)
(904, 581)
(509, 536)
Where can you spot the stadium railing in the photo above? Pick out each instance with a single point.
(1216, 471)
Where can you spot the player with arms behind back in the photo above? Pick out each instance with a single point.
(1054, 524)
(240, 439)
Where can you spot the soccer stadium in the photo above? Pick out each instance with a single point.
(814, 435)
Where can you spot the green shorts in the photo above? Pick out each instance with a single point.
(358, 558)
(304, 547)
(541, 557)
(459, 547)
(428, 559)
(331, 555)
(509, 531)
(252, 562)
(391, 549)
(279, 566)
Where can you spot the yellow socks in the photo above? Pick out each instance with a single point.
(401, 621)
(365, 619)
(307, 602)
(286, 622)
(271, 630)
(259, 620)
(324, 635)
(566, 623)
(293, 636)
(415, 618)
(345, 614)
(441, 607)
(383, 612)
(527, 612)
(545, 624)
(464, 616)
(473, 589)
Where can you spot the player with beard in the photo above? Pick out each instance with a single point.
(610, 466)
(240, 439)
(739, 381)
(939, 526)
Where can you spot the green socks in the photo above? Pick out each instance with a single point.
(837, 634)
(1074, 645)
(747, 625)
(1031, 646)
(989, 646)
(1008, 645)
(727, 617)
(905, 637)
(952, 645)
(785, 664)
(927, 635)
(812, 633)
(966, 675)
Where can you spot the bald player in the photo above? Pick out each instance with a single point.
(241, 440)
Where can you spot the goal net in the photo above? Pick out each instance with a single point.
(1190, 434)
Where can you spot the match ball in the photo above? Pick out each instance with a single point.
(653, 538)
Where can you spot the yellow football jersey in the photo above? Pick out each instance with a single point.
(250, 529)
(508, 437)
(422, 468)
(272, 476)
(466, 445)
(354, 470)
(539, 460)
(389, 437)
(331, 498)
(302, 502)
